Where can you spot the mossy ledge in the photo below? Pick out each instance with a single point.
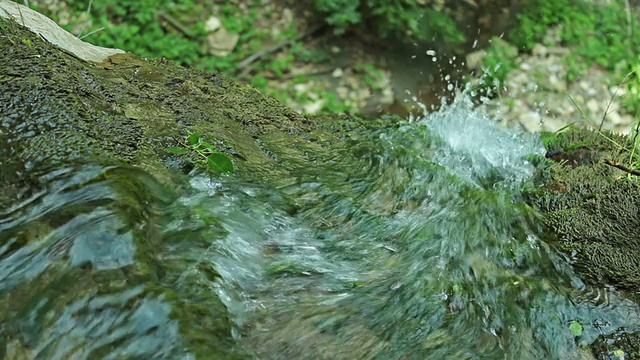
(591, 210)
(129, 109)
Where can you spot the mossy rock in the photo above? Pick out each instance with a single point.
(130, 109)
(619, 345)
(591, 209)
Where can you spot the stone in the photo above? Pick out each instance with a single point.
(221, 43)
(212, 24)
(49, 30)
(474, 60)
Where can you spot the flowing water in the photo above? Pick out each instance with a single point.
(415, 243)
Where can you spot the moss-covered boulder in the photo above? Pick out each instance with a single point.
(592, 207)
(130, 109)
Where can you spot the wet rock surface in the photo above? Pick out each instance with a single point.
(125, 111)
(591, 209)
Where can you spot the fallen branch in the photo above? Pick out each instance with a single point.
(324, 71)
(621, 167)
(175, 23)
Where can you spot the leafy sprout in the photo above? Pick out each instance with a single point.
(216, 161)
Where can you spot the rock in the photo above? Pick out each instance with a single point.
(314, 107)
(474, 60)
(104, 128)
(531, 121)
(592, 106)
(212, 24)
(539, 50)
(221, 43)
(48, 29)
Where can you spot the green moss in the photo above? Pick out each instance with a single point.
(128, 109)
(591, 210)
(592, 206)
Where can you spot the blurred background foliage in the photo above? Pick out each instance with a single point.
(305, 35)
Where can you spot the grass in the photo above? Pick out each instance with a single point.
(605, 36)
(631, 166)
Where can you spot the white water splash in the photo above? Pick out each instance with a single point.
(475, 144)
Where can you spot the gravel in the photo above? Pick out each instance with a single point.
(537, 96)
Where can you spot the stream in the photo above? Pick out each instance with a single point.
(415, 243)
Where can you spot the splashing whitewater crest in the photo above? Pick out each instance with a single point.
(476, 145)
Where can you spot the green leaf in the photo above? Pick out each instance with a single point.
(208, 146)
(177, 150)
(214, 166)
(194, 139)
(576, 328)
(219, 162)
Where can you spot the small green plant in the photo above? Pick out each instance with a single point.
(576, 328)
(619, 354)
(550, 138)
(216, 161)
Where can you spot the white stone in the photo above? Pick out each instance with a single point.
(539, 50)
(300, 88)
(212, 24)
(53, 33)
(474, 60)
(593, 107)
(617, 119)
(531, 121)
(221, 43)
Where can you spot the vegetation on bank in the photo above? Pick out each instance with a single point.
(407, 20)
(606, 35)
(597, 34)
(178, 31)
